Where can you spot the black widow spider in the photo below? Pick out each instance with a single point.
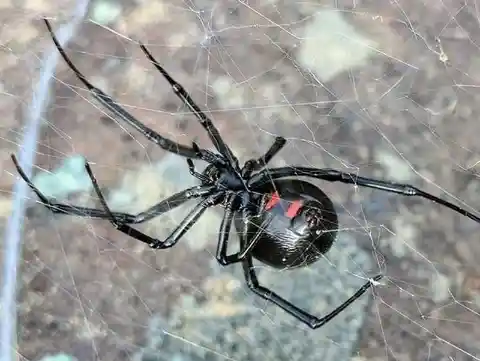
(284, 223)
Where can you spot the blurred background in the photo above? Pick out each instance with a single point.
(386, 89)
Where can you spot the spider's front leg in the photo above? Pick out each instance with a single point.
(119, 112)
(205, 121)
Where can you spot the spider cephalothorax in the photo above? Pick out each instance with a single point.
(280, 220)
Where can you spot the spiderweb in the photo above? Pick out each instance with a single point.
(381, 89)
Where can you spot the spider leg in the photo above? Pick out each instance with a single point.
(68, 209)
(224, 234)
(152, 242)
(257, 164)
(332, 175)
(193, 172)
(109, 103)
(209, 156)
(120, 217)
(189, 221)
(206, 122)
(276, 147)
(173, 202)
(122, 227)
(301, 315)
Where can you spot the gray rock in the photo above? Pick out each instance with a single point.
(229, 322)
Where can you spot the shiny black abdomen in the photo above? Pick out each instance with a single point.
(290, 241)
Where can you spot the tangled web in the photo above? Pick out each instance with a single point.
(381, 89)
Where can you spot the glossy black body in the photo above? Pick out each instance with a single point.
(286, 242)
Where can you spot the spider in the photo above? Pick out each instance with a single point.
(281, 220)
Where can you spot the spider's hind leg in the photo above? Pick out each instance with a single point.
(301, 315)
(67, 209)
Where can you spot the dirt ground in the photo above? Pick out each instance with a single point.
(409, 113)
